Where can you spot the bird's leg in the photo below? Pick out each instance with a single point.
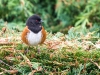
(37, 49)
(27, 50)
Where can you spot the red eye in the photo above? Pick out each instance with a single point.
(36, 20)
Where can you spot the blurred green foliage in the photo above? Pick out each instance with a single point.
(58, 15)
(15, 10)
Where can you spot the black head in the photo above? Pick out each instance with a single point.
(34, 23)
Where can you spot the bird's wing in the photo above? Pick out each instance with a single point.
(43, 35)
(24, 35)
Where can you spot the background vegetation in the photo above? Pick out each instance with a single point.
(58, 15)
(72, 46)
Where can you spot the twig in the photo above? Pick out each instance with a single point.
(1, 73)
(95, 64)
(8, 71)
(6, 64)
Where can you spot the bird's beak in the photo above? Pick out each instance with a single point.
(41, 21)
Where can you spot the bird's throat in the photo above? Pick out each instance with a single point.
(35, 29)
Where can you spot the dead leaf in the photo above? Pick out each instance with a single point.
(27, 61)
(1, 73)
(95, 63)
(12, 71)
(4, 41)
(19, 57)
(53, 44)
(4, 29)
(8, 58)
(39, 68)
(32, 72)
(97, 45)
(57, 63)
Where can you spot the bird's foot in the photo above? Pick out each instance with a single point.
(26, 51)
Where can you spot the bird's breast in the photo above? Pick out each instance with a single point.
(34, 38)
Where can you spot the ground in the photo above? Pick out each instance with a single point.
(59, 55)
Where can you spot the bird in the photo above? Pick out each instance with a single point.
(34, 33)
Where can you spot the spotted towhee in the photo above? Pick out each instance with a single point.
(34, 33)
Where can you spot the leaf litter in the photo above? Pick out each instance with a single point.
(56, 42)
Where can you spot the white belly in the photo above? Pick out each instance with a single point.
(33, 38)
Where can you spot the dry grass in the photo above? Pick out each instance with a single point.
(57, 56)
